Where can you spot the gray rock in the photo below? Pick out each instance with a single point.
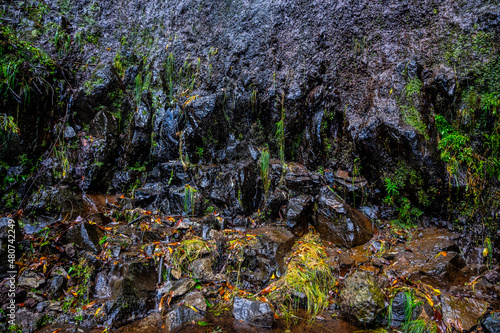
(491, 323)
(252, 312)
(298, 214)
(30, 280)
(86, 236)
(177, 288)
(185, 313)
(69, 132)
(399, 304)
(55, 285)
(361, 299)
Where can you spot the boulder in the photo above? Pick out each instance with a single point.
(299, 214)
(339, 223)
(398, 314)
(86, 236)
(461, 313)
(262, 258)
(253, 312)
(30, 280)
(192, 308)
(361, 299)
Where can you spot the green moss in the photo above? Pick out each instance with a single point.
(412, 117)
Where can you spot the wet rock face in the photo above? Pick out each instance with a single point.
(193, 307)
(86, 236)
(232, 187)
(299, 214)
(361, 299)
(492, 323)
(339, 223)
(462, 313)
(252, 312)
(432, 256)
(59, 202)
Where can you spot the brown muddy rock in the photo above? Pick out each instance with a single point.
(361, 299)
(298, 215)
(151, 323)
(462, 313)
(442, 271)
(432, 257)
(339, 223)
(431, 241)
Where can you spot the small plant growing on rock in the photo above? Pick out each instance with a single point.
(264, 169)
(189, 199)
(187, 252)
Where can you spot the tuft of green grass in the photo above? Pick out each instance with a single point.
(264, 169)
(187, 252)
(189, 198)
(308, 273)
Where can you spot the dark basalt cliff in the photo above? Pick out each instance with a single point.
(303, 112)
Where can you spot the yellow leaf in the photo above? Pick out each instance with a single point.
(485, 252)
(390, 92)
(191, 307)
(97, 311)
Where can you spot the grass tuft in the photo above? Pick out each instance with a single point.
(307, 273)
(187, 252)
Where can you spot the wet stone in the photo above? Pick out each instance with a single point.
(177, 288)
(462, 313)
(86, 236)
(361, 298)
(253, 312)
(192, 308)
(30, 280)
(399, 305)
(56, 285)
(298, 214)
(491, 323)
(339, 223)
